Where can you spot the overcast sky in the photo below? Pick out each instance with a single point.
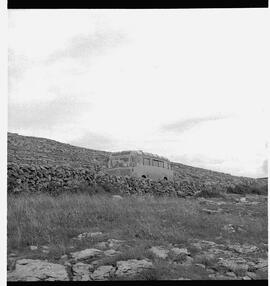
(186, 84)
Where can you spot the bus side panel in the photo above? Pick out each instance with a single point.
(119, 172)
(153, 172)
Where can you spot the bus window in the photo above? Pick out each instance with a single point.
(146, 161)
(119, 162)
(155, 163)
(161, 164)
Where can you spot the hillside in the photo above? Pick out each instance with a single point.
(208, 177)
(42, 151)
(32, 160)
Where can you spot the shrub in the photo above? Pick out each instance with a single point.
(252, 189)
(210, 193)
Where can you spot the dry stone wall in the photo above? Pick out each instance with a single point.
(57, 179)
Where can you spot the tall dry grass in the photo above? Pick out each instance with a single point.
(42, 219)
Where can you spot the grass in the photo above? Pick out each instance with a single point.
(41, 219)
(142, 223)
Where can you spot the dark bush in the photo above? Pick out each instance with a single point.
(261, 189)
(210, 193)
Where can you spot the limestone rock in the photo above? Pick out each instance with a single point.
(81, 271)
(180, 251)
(88, 235)
(233, 264)
(115, 243)
(188, 260)
(245, 248)
(11, 262)
(229, 228)
(246, 278)
(231, 274)
(86, 254)
(37, 270)
(262, 264)
(252, 275)
(64, 257)
(132, 267)
(159, 251)
(103, 272)
(102, 245)
(111, 252)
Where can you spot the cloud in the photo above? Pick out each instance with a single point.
(196, 160)
(265, 168)
(17, 65)
(81, 46)
(184, 125)
(94, 141)
(45, 115)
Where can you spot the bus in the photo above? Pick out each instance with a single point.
(140, 164)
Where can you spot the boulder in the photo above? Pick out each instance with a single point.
(115, 243)
(252, 275)
(103, 272)
(102, 245)
(88, 235)
(262, 264)
(187, 261)
(111, 252)
(180, 251)
(159, 251)
(37, 270)
(245, 248)
(86, 254)
(81, 271)
(233, 264)
(132, 267)
(229, 228)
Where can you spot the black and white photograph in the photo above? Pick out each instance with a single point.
(137, 145)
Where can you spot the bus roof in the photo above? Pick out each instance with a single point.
(139, 152)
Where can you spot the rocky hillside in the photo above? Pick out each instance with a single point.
(208, 177)
(38, 163)
(42, 151)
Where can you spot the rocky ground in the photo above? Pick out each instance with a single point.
(227, 256)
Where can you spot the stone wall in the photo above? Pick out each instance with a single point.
(57, 179)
